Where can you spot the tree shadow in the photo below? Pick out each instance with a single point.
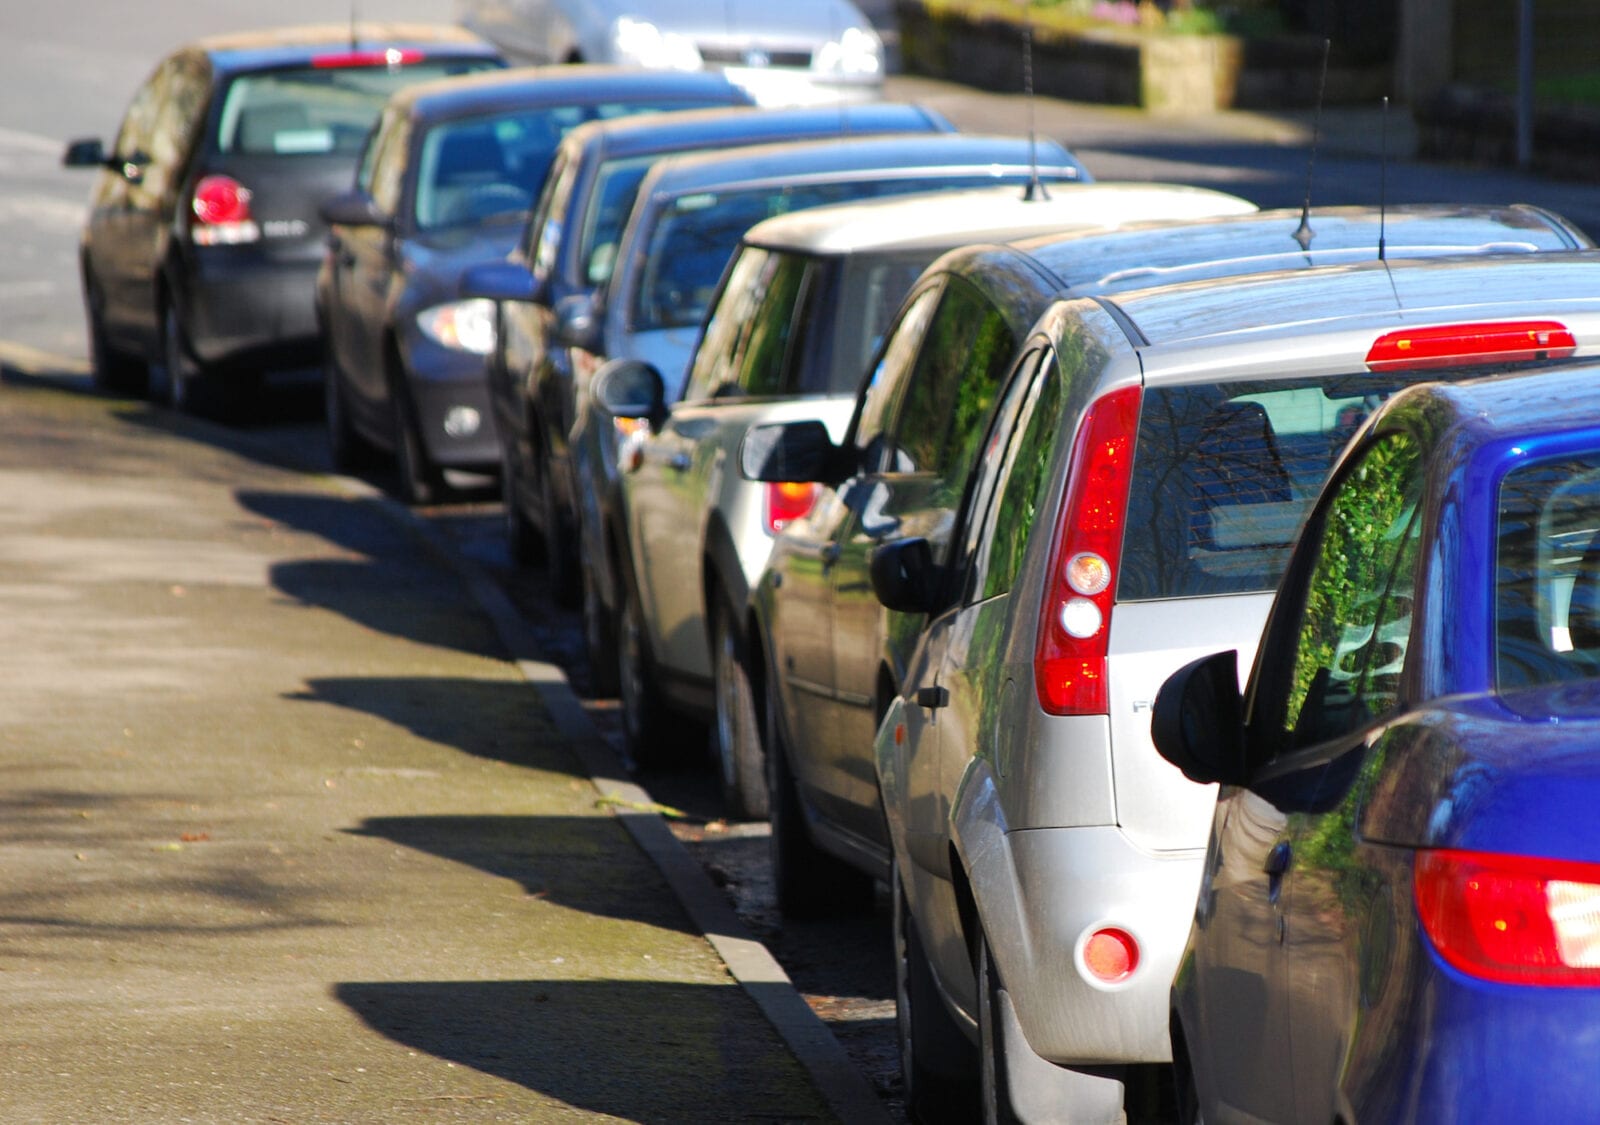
(645, 1051)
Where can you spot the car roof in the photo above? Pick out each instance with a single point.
(642, 136)
(1505, 407)
(768, 165)
(911, 222)
(1285, 309)
(571, 83)
(1161, 253)
(268, 47)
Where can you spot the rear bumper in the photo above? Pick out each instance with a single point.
(1042, 893)
(254, 313)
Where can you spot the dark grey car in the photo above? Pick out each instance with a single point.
(446, 181)
(202, 242)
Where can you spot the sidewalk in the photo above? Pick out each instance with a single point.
(287, 837)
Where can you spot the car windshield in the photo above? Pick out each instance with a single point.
(696, 234)
(311, 110)
(491, 167)
(1547, 573)
(1223, 474)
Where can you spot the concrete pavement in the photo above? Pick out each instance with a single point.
(289, 837)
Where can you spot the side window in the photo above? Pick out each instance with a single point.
(182, 102)
(1350, 638)
(134, 138)
(883, 388)
(717, 359)
(947, 403)
(543, 240)
(1023, 481)
(389, 166)
(774, 328)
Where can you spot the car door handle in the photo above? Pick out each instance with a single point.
(933, 697)
(1274, 868)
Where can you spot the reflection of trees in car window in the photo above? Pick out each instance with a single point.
(1357, 613)
(762, 372)
(889, 377)
(1024, 484)
(967, 351)
(717, 357)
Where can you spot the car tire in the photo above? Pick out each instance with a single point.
(938, 1063)
(599, 639)
(180, 379)
(112, 369)
(522, 538)
(419, 478)
(736, 734)
(809, 882)
(644, 730)
(348, 450)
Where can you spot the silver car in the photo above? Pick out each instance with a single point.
(1150, 459)
(801, 52)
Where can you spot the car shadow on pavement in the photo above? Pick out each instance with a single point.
(497, 720)
(633, 1050)
(583, 863)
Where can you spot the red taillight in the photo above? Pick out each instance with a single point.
(788, 501)
(1513, 919)
(1453, 345)
(221, 208)
(390, 56)
(1110, 955)
(1075, 620)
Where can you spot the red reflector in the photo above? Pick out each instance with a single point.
(1111, 955)
(788, 501)
(1513, 919)
(1451, 345)
(221, 199)
(1069, 668)
(392, 56)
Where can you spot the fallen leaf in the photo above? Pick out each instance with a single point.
(194, 837)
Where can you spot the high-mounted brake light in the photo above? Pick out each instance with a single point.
(788, 501)
(1069, 669)
(221, 207)
(388, 56)
(1459, 345)
(1513, 919)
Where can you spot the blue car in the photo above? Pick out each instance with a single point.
(1399, 912)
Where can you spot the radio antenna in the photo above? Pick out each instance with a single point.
(1036, 189)
(1304, 234)
(1383, 179)
(355, 39)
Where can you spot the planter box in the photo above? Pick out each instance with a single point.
(1123, 66)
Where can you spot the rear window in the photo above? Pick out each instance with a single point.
(307, 111)
(1547, 578)
(697, 234)
(1224, 474)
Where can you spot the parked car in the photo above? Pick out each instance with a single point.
(800, 52)
(565, 254)
(446, 181)
(674, 540)
(843, 656)
(200, 251)
(1152, 456)
(1397, 904)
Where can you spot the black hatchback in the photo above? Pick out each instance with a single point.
(200, 252)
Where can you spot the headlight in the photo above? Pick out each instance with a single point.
(466, 326)
(644, 44)
(857, 51)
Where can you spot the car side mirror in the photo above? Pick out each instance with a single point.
(86, 152)
(577, 323)
(631, 388)
(904, 576)
(353, 208)
(788, 452)
(498, 281)
(1197, 722)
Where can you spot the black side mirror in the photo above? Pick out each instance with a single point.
(499, 281)
(354, 208)
(788, 452)
(86, 152)
(1197, 723)
(578, 322)
(631, 388)
(905, 577)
